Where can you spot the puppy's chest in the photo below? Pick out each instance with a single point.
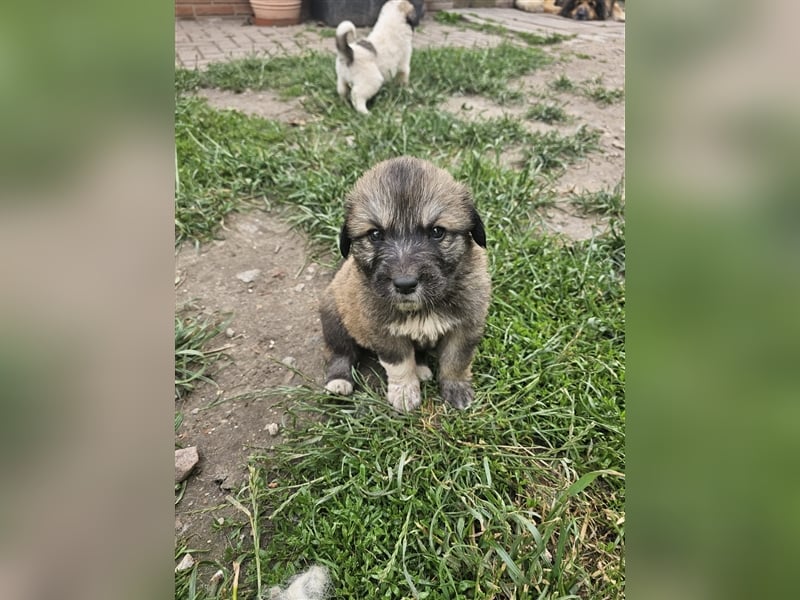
(426, 330)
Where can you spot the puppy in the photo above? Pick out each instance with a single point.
(586, 10)
(415, 279)
(363, 66)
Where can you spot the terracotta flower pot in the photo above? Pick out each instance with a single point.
(276, 12)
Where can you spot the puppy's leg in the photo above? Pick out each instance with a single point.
(403, 391)
(456, 350)
(404, 70)
(341, 87)
(423, 370)
(343, 348)
(365, 87)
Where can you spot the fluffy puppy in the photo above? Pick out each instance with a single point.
(414, 279)
(363, 66)
(586, 10)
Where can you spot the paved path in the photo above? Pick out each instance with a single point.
(204, 41)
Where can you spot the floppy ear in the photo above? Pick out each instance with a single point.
(477, 231)
(566, 7)
(344, 241)
(603, 9)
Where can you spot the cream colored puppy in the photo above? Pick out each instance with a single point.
(362, 66)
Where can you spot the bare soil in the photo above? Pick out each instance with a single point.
(274, 317)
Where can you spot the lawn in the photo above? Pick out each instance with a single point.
(521, 495)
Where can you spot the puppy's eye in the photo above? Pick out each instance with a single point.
(375, 235)
(437, 233)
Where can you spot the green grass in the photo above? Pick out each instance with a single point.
(603, 95)
(592, 89)
(606, 203)
(490, 27)
(547, 113)
(562, 84)
(192, 357)
(520, 496)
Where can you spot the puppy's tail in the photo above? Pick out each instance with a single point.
(345, 34)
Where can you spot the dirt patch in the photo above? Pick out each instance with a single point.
(274, 314)
(260, 273)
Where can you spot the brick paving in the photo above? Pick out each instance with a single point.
(217, 39)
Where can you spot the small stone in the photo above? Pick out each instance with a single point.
(194, 411)
(229, 332)
(273, 429)
(185, 460)
(290, 362)
(299, 287)
(248, 276)
(187, 562)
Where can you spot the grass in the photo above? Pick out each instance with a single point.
(490, 27)
(520, 496)
(547, 113)
(192, 358)
(592, 89)
(606, 203)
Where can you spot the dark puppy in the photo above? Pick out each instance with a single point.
(415, 278)
(587, 10)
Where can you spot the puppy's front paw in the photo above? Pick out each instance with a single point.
(424, 372)
(457, 393)
(342, 387)
(404, 397)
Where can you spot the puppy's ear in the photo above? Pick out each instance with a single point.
(477, 231)
(566, 7)
(344, 241)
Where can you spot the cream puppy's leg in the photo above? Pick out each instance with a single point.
(403, 390)
(364, 88)
(342, 88)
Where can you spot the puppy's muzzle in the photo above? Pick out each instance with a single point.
(405, 284)
(582, 14)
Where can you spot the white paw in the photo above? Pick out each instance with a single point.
(404, 397)
(424, 373)
(342, 387)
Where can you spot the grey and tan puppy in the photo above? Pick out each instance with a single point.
(363, 66)
(415, 278)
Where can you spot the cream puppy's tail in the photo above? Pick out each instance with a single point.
(345, 34)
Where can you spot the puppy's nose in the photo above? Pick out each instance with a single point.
(582, 14)
(405, 284)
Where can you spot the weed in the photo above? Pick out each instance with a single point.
(192, 359)
(603, 202)
(604, 96)
(562, 84)
(592, 89)
(547, 113)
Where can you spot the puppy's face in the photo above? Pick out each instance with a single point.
(585, 10)
(410, 228)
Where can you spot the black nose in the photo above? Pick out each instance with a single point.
(582, 14)
(405, 284)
